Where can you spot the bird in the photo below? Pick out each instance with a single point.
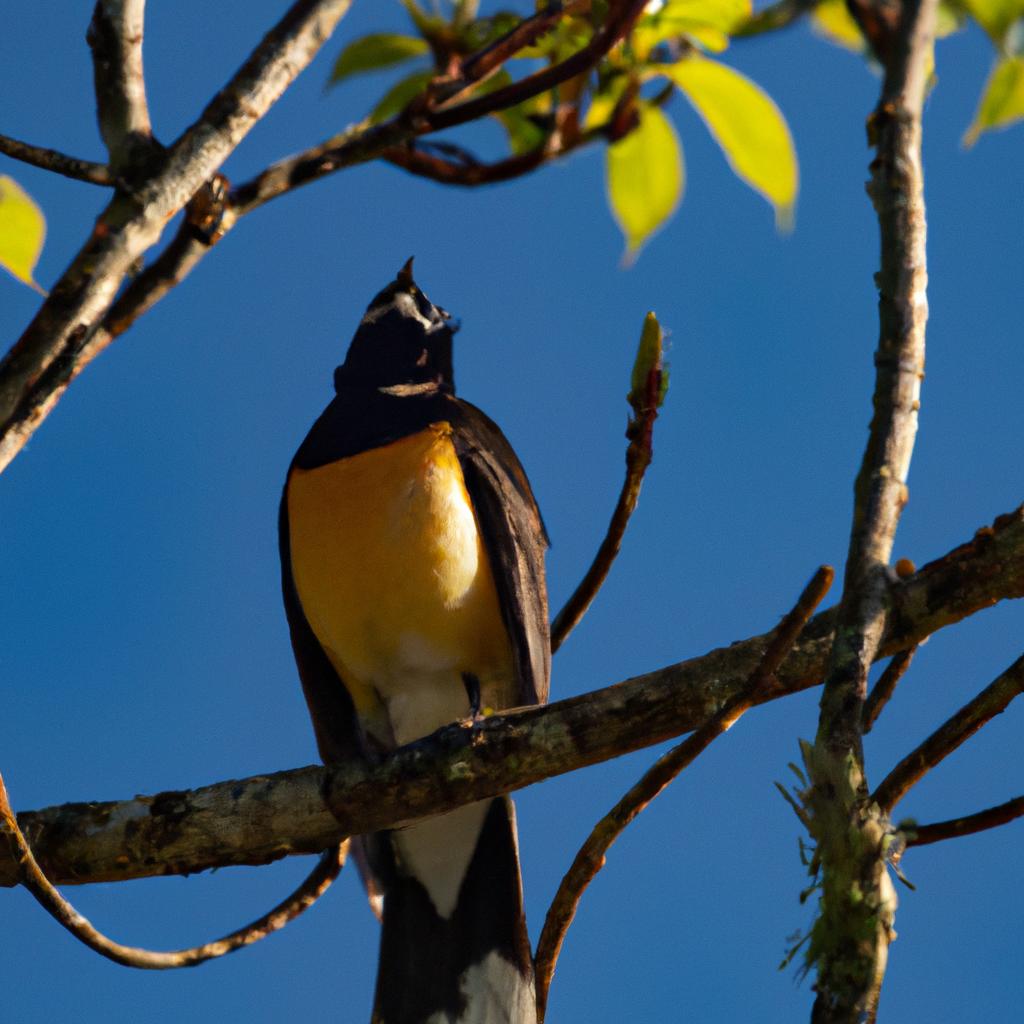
(412, 563)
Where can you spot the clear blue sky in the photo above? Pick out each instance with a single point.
(145, 647)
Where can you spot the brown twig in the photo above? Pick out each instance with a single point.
(115, 38)
(59, 163)
(591, 856)
(992, 701)
(991, 817)
(638, 457)
(885, 688)
(258, 820)
(32, 878)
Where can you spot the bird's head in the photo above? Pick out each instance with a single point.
(403, 340)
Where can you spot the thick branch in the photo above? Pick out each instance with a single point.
(992, 701)
(132, 223)
(262, 819)
(59, 163)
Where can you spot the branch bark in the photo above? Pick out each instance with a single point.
(850, 941)
(59, 163)
(258, 820)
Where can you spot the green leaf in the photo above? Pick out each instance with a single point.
(602, 103)
(22, 230)
(397, 98)
(995, 16)
(747, 125)
(650, 355)
(380, 50)
(645, 177)
(1002, 101)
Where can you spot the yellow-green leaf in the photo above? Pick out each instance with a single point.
(602, 104)
(1002, 102)
(995, 16)
(398, 96)
(831, 19)
(380, 50)
(747, 125)
(709, 22)
(645, 177)
(22, 230)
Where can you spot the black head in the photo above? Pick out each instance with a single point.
(403, 339)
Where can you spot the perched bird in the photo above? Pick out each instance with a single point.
(412, 557)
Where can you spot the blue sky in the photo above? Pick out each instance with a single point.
(145, 645)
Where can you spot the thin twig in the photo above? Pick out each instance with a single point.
(857, 911)
(638, 457)
(32, 877)
(992, 701)
(591, 856)
(59, 163)
(991, 817)
(885, 688)
(115, 38)
(261, 819)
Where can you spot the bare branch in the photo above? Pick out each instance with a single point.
(262, 819)
(115, 37)
(312, 888)
(992, 701)
(133, 222)
(591, 856)
(991, 817)
(638, 457)
(855, 923)
(59, 163)
(885, 688)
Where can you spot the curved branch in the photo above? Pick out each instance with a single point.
(262, 819)
(959, 728)
(59, 163)
(591, 856)
(32, 877)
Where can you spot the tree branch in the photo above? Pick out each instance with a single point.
(991, 817)
(849, 947)
(32, 877)
(133, 222)
(262, 819)
(992, 701)
(115, 38)
(591, 856)
(59, 163)
(883, 690)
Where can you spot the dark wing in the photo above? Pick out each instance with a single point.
(514, 536)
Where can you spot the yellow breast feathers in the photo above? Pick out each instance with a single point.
(391, 571)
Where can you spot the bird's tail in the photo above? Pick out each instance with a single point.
(454, 947)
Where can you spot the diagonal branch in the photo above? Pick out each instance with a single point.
(59, 163)
(991, 817)
(32, 877)
(262, 819)
(591, 856)
(133, 222)
(883, 690)
(959, 728)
